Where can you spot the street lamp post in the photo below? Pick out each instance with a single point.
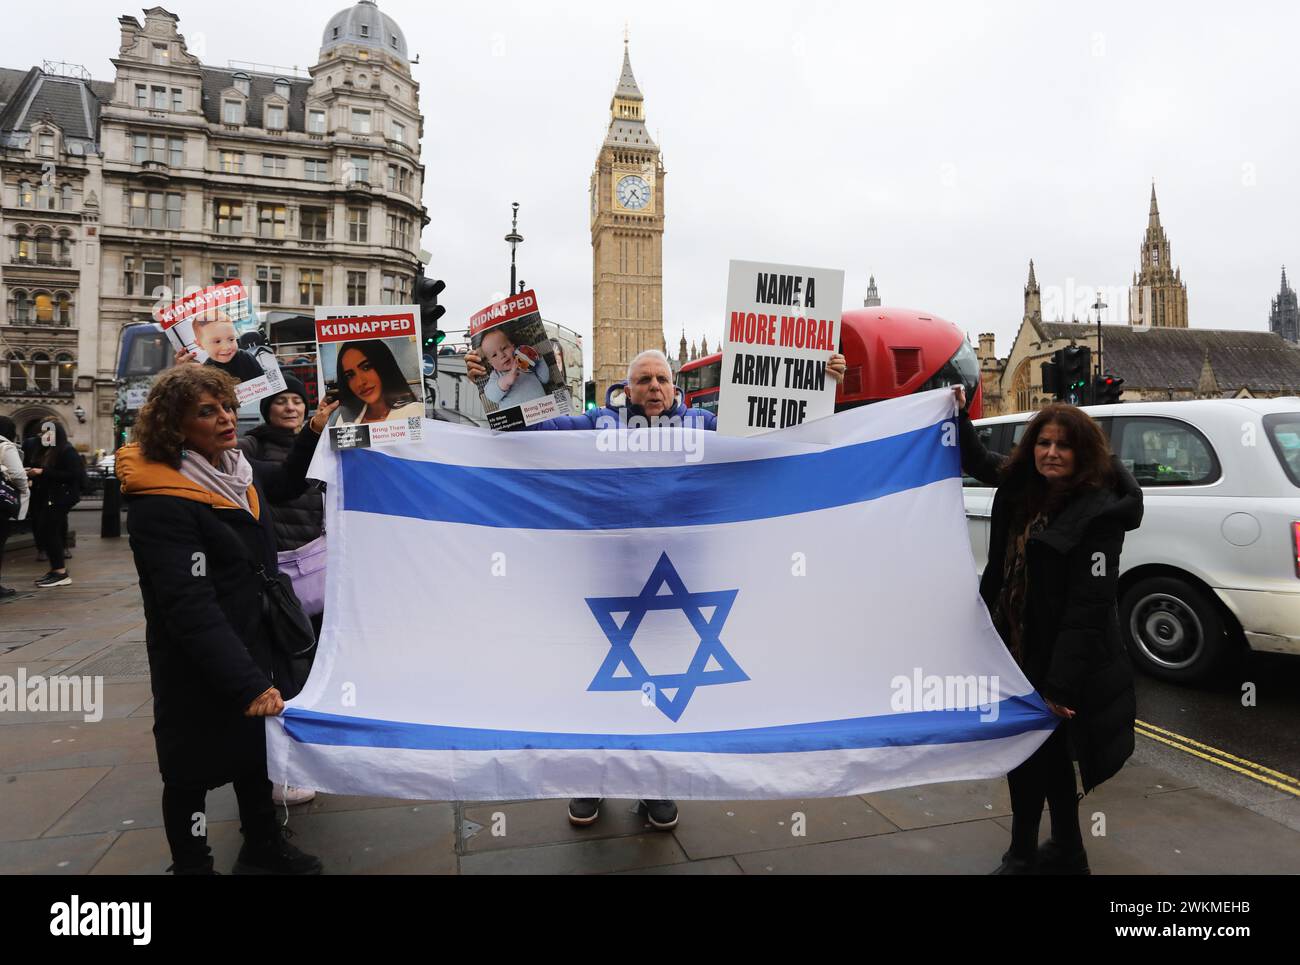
(514, 240)
(1100, 306)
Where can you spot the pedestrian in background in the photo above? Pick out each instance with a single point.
(200, 523)
(13, 474)
(1062, 506)
(56, 488)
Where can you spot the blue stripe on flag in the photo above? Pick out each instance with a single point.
(1016, 715)
(692, 495)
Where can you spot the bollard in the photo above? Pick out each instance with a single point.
(110, 524)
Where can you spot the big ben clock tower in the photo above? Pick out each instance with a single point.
(627, 227)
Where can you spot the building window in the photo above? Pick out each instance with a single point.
(26, 197)
(45, 144)
(46, 200)
(270, 221)
(316, 122)
(356, 288)
(67, 372)
(22, 308)
(155, 276)
(160, 98)
(232, 162)
(63, 308)
(275, 117)
(336, 34)
(274, 165)
(314, 224)
(241, 83)
(44, 246)
(65, 197)
(395, 290)
(360, 121)
(232, 112)
(41, 371)
(398, 231)
(44, 310)
(228, 217)
(141, 95)
(315, 169)
(311, 286)
(178, 99)
(175, 151)
(398, 132)
(128, 275)
(358, 169)
(23, 248)
(153, 209)
(160, 55)
(282, 88)
(222, 273)
(63, 249)
(365, 30)
(268, 285)
(165, 150)
(19, 375)
(392, 177)
(359, 225)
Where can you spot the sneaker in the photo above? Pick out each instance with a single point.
(7, 591)
(275, 856)
(1053, 859)
(288, 794)
(53, 579)
(584, 810)
(662, 814)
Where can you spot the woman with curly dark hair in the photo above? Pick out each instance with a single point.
(1062, 506)
(199, 519)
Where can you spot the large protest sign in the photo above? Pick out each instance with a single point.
(219, 326)
(519, 615)
(782, 327)
(525, 376)
(368, 357)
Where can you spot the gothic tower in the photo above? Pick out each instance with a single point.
(627, 227)
(1284, 318)
(1033, 299)
(873, 297)
(1158, 297)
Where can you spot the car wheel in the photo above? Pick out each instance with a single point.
(1172, 630)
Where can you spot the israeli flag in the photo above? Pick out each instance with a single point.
(658, 613)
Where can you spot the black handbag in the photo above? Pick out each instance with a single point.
(10, 501)
(293, 639)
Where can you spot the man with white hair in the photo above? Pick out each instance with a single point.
(651, 401)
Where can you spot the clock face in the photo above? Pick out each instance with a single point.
(633, 192)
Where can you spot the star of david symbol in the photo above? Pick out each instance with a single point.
(712, 664)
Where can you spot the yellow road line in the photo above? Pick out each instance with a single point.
(1222, 753)
(1221, 763)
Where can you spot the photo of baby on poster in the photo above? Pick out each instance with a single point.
(219, 326)
(525, 380)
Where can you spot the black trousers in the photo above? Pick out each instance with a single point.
(183, 804)
(1047, 775)
(5, 525)
(52, 534)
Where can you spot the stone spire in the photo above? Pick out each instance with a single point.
(1033, 299)
(1207, 386)
(627, 110)
(694, 353)
(704, 346)
(1153, 216)
(1284, 315)
(1159, 296)
(873, 296)
(681, 350)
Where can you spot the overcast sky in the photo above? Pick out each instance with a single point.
(940, 146)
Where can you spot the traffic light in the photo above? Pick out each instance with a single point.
(1107, 390)
(1052, 377)
(427, 291)
(590, 392)
(1075, 375)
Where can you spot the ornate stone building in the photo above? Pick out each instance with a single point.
(1284, 317)
(305, 186)
(50, 189)
(873, 297)
(1158, 297)
(627, 227)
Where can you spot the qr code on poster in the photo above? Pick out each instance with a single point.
(413, 426)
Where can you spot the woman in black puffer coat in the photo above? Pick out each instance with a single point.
(1062, 506)
(302, 519)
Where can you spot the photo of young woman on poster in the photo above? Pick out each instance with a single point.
(371, 386)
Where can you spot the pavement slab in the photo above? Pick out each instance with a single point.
(411, 839)
(31, 802)
(597, 856)
(947, 803)
(74, 855)
(52, 746)
(526, 824)
(130, 796)
(710, 829)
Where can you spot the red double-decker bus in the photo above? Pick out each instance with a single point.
(890, 352)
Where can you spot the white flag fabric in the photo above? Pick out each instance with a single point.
(656, 613)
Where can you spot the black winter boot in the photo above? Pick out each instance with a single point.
(1054, 859)
(275, 856)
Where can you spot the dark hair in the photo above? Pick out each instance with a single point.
(1092, 459)
(60, 443)
(158, 426)
(379, 355)
(8, 429)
